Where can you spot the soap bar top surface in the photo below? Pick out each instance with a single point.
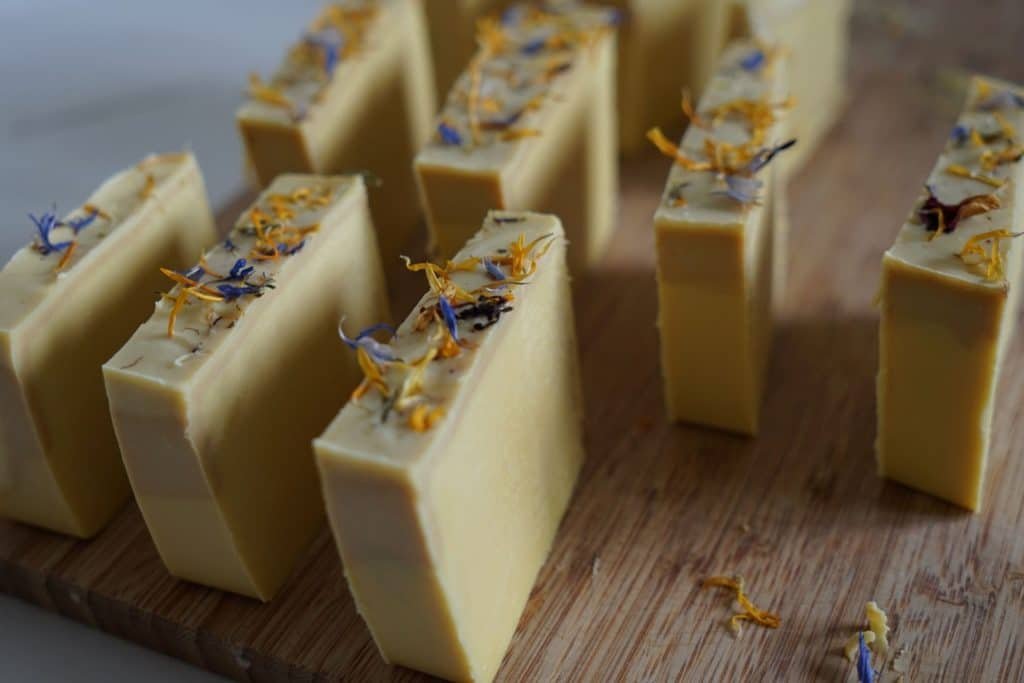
(201, 312)
(963, 226)
(69, 248)
(326, 54)
(527, 58)
(411, 393)
(733, 134)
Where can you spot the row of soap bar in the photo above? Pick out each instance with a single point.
(533, 119)
(216, 399)
(949, 293)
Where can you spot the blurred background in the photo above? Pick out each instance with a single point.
(91, 87)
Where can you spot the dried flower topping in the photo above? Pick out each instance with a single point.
(750, 611)
(46, 224)
(268, 235)
(939, 217)
(1000, 99)
(446, 314)
(520, 56)
(974, 252)
(735, 165)
(339, 32)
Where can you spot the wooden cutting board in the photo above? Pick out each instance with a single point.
(798, 511)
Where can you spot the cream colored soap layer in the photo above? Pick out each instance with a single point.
(718, 266)
(816, 35)
(215, 422)
(945, 327)
(567, 167)
(443, 532)
(372, 115)
(59, 462)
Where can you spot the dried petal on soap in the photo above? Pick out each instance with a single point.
(940, 217)
(379, 351)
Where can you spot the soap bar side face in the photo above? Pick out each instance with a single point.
(58, 349)
(511, 500)
(938, 358)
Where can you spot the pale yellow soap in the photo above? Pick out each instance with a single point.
(530, 125)
(63, 312)
(355, 94)
(721, 257)
(216, 398)
(948, 304)
(666, 46)
(815, 34)
(446, 477)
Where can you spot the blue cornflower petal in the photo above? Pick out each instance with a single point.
(44, 226)
(232, 292)
(79, 224)
(743, 189)
(960, 133)
(449, 135)
(493, 269)
(194, 273)
(762, 158)
(330, 43)
(534, 46)
(448, 313)
(865, 674)
(753, 61)
(513, 16)
(240, 271)
(364, 340)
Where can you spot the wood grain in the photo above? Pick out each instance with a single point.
(798, 511)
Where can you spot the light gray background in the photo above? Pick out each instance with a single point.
(88, 87)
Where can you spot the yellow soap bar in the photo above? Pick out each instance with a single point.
(949, 298)
(446, 476)
(815, 34)
(68, 302)
(355, 94)
(215, 399)
(530, 125)
(665, 46)
(720, 242)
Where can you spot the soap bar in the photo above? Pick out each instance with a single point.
(216, 398)
(529, 126)
(720, 242)
(949, 298)
(355, 94)
(816, 36)
(68, 302)
(447, 474)
(665, 46)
